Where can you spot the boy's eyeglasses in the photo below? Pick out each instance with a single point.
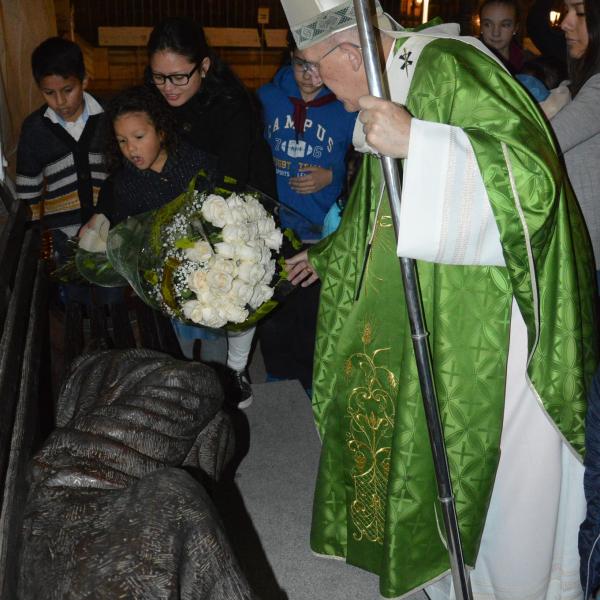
(312, 68)
(175, 78)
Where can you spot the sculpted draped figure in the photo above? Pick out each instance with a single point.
(109, 513)
(507, 278)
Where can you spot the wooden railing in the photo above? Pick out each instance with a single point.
(120, 59)
(218, 37)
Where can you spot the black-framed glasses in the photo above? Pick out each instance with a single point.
(312, 68)
(174, 78)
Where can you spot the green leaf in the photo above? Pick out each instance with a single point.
(291, 236)
(166, 285)
(283, 274)
(151, 277)
(184, 243)
(222, 192)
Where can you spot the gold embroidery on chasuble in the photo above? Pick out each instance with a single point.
(371, 413)
(371, 404)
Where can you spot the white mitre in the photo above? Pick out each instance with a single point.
(312, 21)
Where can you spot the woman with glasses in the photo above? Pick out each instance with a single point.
(213, 109)
(215, 113)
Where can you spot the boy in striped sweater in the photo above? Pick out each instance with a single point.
(60, 159)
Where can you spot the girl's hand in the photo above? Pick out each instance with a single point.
(300, 270)
(316, 179)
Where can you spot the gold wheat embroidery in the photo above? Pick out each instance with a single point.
(371, 411)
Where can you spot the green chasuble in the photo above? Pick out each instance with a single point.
(376, 497)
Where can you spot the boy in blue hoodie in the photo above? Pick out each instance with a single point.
(310, 133)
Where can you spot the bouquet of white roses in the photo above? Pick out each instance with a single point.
(208, 258)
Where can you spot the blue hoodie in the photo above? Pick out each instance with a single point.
(327, 137)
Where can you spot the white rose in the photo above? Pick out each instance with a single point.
(254, 209)
(239, 216)
(91, 241)
(265, 255)
(100, 224)
(234, 313)
(225, 249)
(200, 252)
(205, 296)
(203, 315)
(233, 234)
(260, 295)
(237, 207)
(241, 291)
(274, 239)
(212, 317)
(269, 272)
(220, 263)
(197, 281)
(265, 225)
(235, 202)
(192, 309)
(216, 211)
(95, 234)
(219, 280)
(252, 229)
(248, 253)
(250, 272)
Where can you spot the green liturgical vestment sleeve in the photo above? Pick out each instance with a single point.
(376, 497)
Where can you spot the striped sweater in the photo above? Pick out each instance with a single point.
(57, 176)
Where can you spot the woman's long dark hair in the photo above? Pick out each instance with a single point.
(138, 99)
(581, 69)
(185, 37)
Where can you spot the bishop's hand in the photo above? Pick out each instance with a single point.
(386, 125)
(300, 270)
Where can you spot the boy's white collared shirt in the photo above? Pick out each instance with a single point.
(75, 128)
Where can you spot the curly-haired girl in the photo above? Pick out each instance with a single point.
(149, 164)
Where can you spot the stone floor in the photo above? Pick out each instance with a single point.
(267, 510)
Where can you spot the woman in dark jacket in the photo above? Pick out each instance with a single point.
(215, 113)
(213, 110)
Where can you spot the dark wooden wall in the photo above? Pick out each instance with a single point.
(90, 14)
